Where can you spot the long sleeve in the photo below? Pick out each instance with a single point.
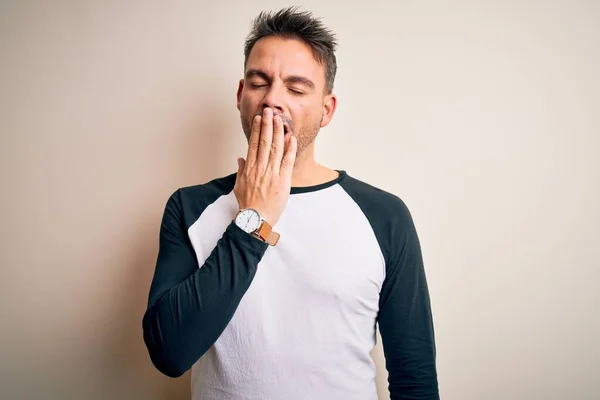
(405, 318)
(189, 306)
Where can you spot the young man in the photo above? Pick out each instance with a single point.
(269, 282)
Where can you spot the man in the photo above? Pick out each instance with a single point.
(270, 281)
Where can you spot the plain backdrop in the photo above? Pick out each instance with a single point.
(483, 116)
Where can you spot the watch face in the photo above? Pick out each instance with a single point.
(248, 220)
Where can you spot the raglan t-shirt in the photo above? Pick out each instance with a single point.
(294, 321)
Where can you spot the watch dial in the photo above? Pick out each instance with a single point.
(248, 220)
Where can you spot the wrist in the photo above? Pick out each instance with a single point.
(252, 222)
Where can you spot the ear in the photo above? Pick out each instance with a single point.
(239, 93)
(329, 106)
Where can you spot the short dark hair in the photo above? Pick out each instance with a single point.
(293, 24)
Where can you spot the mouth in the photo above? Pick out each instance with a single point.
(286, 129)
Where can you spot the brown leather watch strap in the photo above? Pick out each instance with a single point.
(273, 238)
(266, 233)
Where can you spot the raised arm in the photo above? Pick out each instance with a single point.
(189, 307)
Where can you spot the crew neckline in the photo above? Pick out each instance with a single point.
(320, 186)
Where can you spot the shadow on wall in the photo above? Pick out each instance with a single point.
(198, 154)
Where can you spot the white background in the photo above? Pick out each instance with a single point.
(483, 116)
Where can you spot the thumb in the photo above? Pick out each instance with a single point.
(241, 165)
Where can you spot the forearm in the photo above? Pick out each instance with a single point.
(406, 325)
(411, 359)
(182, 322)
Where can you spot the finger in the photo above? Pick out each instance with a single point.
(277, 145)
(253, 143)
(266, 137)
(289, 158)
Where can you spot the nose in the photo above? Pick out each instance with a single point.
(273, 99)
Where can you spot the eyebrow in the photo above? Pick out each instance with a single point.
(288, 79)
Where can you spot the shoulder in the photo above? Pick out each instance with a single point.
(380, 206)
(388, 216)
(187, 203)
(214, 188)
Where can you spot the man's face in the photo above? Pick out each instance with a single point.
(283, 74)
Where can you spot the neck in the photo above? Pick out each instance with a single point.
(308, 172)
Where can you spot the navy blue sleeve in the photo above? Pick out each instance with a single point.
(405, 318)
(188, 306)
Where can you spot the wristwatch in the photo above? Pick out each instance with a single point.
(250, 221)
